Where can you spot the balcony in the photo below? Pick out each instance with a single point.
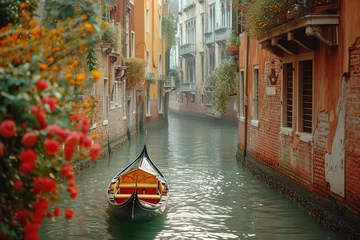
(188, 4)
(150, 77)
(304, 30)
(188, 50)
(188, 87)
(222, 33)
(169, 82)
(209, 38)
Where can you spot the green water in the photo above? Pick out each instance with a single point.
(212, 196)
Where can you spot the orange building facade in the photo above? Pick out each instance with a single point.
(299, 101)
(150, 45)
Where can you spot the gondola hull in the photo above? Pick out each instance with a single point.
(136, 210)
(139, 192)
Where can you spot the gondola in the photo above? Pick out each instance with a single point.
(139, 192)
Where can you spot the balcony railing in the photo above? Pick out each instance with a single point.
(222, 33)
(187, 50)
(188, 87)
(189, 4)
(302, 28)
(209, 38)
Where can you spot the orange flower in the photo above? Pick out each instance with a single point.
(89, 27)
(96, 75)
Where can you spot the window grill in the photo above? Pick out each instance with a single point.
(307, 96)
(289, 94)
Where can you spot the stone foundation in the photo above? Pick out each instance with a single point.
(325, 211)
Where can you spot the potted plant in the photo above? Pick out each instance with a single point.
(232, 44)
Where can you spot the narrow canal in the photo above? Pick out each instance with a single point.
(212, 196)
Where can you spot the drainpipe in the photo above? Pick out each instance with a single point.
(246, 92)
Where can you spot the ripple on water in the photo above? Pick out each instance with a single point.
(212, 197)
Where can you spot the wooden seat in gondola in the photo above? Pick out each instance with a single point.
(139, 191)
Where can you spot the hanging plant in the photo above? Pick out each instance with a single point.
(135, 72)
(224, 83)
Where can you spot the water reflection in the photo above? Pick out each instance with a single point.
(212, 196)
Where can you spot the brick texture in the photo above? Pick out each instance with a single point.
(352, 140)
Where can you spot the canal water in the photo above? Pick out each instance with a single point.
(212, 196)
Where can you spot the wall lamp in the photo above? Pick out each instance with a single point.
(275, 66)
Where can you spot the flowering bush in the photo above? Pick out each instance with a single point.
(42, 124)
(262, 15)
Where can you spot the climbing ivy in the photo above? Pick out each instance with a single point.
(169, 27)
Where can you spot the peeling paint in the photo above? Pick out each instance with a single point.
(334, 161)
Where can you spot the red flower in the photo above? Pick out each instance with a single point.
(49, 214)
(69, 151)
(51, 101)
(29, 139)
(87, 141)
(69, 214)
(28, 156)
(52, 129)
(76, 117)
(22, 215)
(54, 197)
(63, 134)
(31, 228)
(18, 184)
(66, 169)
(41, 84)
(27, 167)
(44, 184)
(40, 116)
(57, 212)
(7, 129)
(73, 192)
(40, 209)
(1, 149)
(51, 146)
(71, 183)
(95, 151)
(72, 139)
(86, 125)
(32, 236)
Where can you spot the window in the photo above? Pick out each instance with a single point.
(160, 100)
(256, 93)
(202, 29)
(242, 93)
(132, 44)
(202, 68)
(147, 101)
(222, 15)
(106, 101)
(127, 35)
(160, 26)
(124, 100)
(202, 99)
(147, 21)
(147, 61)
(305, 96)
(160, 66)
(288, 97)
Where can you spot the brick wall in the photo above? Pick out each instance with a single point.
(352, 140)
(320, 143)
